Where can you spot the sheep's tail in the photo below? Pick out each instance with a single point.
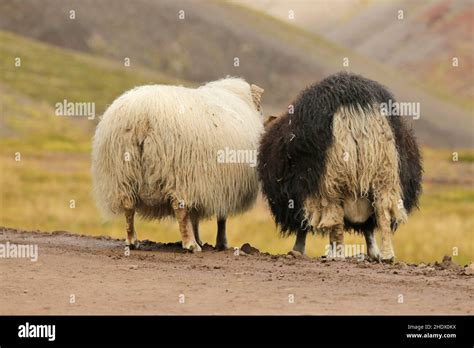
(116, 164)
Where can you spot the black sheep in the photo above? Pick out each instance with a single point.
(338, 162)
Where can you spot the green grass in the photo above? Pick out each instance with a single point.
(466, 157)
(53, 74)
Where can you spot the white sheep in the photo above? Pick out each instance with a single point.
(156, 149)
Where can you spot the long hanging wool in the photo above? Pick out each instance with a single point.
(158, 143)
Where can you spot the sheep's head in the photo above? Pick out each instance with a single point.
(241, 88)
(257, 93)
(269, 120)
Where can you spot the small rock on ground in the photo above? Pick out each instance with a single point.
(247, 248)
(469, 270)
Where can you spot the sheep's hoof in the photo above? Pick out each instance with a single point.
(390, 260)
(388, 257)
(192, 246)
(299, 248)
(221, 246)
(374, 255)
(295, 254)
(133, 246)
(376, 258)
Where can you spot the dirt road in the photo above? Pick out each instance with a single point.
(86, 275)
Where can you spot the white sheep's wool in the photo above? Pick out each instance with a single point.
(157, 144)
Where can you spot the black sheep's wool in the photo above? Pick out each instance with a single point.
(293, 151)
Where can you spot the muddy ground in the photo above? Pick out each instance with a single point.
(98, 278)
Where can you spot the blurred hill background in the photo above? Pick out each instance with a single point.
(82, 59)
(421, 44)
(411, 56)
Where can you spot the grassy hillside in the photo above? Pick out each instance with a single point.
(49, 75)
(52, 74)
(200, 47)
(205, 44)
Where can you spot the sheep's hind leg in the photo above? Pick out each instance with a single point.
(131, 241)
(184, 221)
(221, 240)
(300, 242)
(332, 220)
(195, 224)
(336, 239)
(372, 248)
(383, 224)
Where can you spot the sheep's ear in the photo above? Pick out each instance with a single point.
(269, 120)
(256, 95)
